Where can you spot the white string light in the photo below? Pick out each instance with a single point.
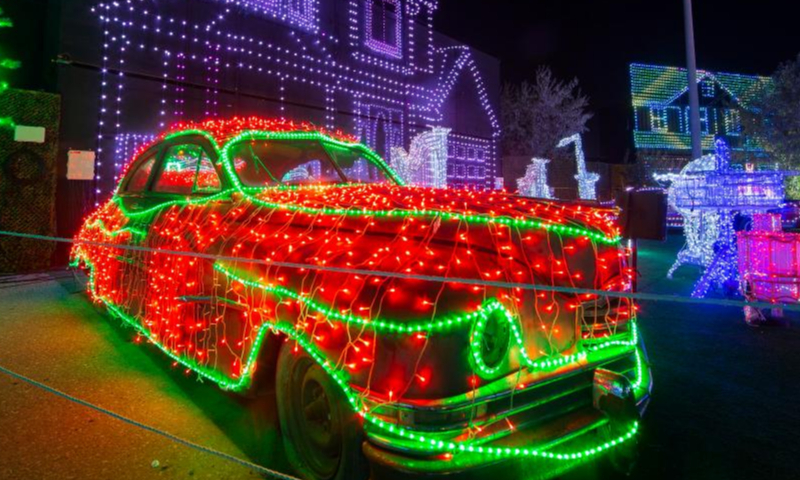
(385, 91)
(708, 193)
(534, 183)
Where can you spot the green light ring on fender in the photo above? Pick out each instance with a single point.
(476, 341)
(425, 441)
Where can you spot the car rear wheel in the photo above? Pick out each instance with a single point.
(321, 434)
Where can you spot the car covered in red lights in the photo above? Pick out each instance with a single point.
(412, 329)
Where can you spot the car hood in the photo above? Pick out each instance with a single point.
(476, 206)
(474, 234)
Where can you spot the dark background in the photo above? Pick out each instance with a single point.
(595, 41)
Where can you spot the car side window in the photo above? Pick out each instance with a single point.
(187, 169)
(206, 180)
(138, 181)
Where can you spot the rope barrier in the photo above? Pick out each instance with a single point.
(225, 456)
(466, 281)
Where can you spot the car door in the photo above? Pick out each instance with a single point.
(163, 182)
(178, 306)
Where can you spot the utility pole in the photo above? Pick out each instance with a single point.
(691, 69)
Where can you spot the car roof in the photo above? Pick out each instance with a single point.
(224, 130)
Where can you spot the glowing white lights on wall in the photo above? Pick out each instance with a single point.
(425, 164)
(534, 183)
(196, 57)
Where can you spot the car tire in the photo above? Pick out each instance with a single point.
(321, 434)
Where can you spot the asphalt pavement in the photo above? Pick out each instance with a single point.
(723, 404)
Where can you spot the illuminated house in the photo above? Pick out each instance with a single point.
(661, 114)
(373, 68)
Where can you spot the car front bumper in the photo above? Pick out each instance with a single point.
(558, 426)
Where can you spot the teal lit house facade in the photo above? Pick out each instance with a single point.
(660, 102)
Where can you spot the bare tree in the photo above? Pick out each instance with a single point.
(773, 119)
(537, 115)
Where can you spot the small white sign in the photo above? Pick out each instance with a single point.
(80, 165)
(24, 133)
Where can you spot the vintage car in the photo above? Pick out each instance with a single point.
(406, 329)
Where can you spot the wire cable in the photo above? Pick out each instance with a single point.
(465, 281)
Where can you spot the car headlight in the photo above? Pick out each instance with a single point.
(491, 340)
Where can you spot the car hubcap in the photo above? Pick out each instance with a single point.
(319, 428)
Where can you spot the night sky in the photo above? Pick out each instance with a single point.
(595, 41)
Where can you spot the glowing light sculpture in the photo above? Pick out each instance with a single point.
(769, 265)
(425, 163)
(586, 180)
(708, 193)
(534, 183)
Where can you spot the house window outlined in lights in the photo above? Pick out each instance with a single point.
(384, 20)
(704, 121)
(658, 119)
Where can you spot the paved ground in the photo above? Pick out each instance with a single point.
(724, 406)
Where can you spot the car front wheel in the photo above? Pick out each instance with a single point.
(321, 433)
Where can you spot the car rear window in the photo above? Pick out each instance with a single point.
(138, 181)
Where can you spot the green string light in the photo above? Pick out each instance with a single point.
(480, 316)
(248, 192)
(424, 441)
(7, 64)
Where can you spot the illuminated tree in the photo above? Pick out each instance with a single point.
(536, 116)
(775, 117)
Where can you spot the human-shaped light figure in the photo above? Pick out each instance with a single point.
(425, 163)
(587, 189)
(534, 183)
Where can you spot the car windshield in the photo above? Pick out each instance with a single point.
(354, 166)
(264, 163)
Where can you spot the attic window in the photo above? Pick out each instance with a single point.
(384, 27)
(707, 89)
